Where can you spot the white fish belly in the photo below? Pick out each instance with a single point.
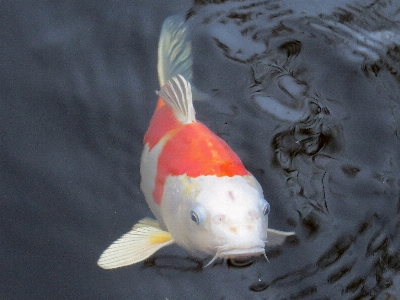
(148, 172)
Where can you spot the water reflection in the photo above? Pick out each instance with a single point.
(328, 86)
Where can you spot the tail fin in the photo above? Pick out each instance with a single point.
(174, 50)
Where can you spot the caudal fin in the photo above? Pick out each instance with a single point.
(145, 238)
(174, 50)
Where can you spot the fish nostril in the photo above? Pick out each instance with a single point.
(218, 218)
(253, 215)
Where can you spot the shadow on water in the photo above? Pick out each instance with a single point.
(191, 264)
(173, 262)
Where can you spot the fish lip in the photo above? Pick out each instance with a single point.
(231, 252)
(242, 252)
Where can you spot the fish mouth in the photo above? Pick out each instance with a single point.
(243, 252)
(233, 253)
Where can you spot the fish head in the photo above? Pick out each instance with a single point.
(222, 216)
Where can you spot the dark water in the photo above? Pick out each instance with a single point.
(306, 94)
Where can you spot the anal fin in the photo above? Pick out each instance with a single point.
(145, 238)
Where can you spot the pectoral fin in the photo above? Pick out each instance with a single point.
(277, 237)
(145, 238)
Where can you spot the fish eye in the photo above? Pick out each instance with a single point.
(195, 217)
(197, 214)
(266, 208)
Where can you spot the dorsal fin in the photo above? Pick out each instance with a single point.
(177, 93)
(174, 50)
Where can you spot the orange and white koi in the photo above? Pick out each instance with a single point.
(198, 189)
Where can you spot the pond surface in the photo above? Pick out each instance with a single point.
(306, 94)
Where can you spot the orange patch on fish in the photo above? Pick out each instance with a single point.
(161, 123)
(195, 150)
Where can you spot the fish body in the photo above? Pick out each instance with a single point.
(196, 186)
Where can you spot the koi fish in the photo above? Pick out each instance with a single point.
(196, 186)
